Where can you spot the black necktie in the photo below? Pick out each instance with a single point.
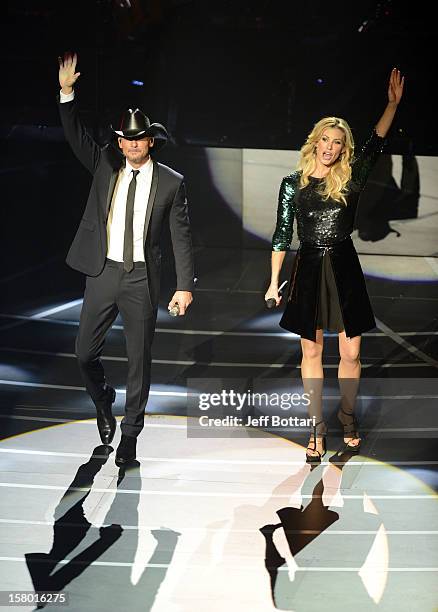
(128, 243)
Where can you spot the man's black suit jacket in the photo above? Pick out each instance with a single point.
(167, 201)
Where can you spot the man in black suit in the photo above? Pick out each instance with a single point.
(117, 247)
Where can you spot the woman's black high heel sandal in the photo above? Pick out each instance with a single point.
(317, 434)
(350, 428)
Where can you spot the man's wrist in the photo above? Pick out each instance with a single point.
(63, 97)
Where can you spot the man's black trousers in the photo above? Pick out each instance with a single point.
(112, 292)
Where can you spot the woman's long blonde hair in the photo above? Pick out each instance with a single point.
(335, 183)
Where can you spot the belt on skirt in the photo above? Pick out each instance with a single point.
(323, 246)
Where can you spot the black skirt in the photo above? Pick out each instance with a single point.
(327, 291)
(329, 310)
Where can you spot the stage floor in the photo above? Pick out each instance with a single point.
(223, 522)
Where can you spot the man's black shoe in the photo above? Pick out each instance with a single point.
(106, 423)
(126, 450)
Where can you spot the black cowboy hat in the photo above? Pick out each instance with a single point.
(135, 124)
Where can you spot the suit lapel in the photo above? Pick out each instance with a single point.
(151, 200)
(111, 186)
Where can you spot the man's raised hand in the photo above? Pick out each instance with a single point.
(67, 74)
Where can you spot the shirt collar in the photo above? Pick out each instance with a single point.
(143, 170)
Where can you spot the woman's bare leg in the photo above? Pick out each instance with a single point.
(312, 374)
(349, 378)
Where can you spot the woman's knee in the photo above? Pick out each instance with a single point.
(350, 354)
(311, 350)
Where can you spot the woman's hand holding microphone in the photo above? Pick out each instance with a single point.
(274, 294)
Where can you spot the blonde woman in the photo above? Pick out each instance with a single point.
(327, 289)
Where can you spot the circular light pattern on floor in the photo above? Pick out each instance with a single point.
(211, 524)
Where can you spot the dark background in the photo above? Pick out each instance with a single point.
(243, 73)
(228, 73)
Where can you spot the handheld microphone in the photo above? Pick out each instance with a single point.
(174, 311)
(271, 302)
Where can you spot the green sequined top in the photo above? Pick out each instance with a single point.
(322, 222)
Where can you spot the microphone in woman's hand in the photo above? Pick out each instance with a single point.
(271, 302)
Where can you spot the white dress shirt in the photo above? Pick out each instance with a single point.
(116, 217)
